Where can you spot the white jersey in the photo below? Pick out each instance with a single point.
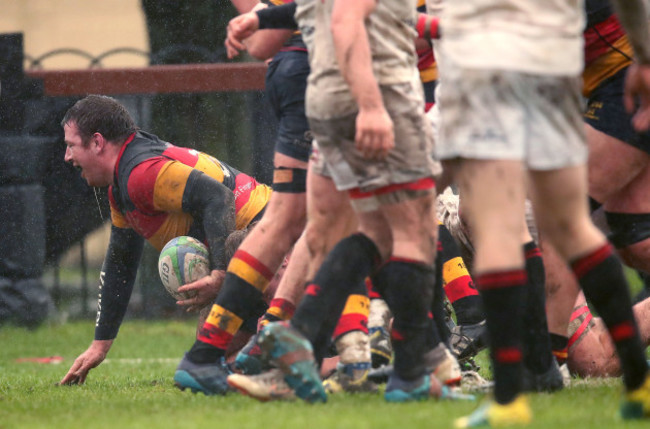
(390, 29)
(529, 36)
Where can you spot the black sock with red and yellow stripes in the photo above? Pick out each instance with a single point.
(458, 285)
(538, 355)
(560, 348)
(343, 271)
(240, 298)
(438, 315)
(603, 282)
(279, 309)
(504, 296)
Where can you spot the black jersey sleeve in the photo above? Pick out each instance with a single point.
(212, 205)
(278, 17)
(116, 280)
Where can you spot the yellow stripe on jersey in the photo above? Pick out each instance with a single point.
(357, 304)
(256, 202)
(175, 225)
(118, 219)
(606, 66)
(210, 166)
(169, 187)
(247, 273)
(429, 74)
(224, 319)
(453, 269)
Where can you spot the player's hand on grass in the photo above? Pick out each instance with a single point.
(374, 133)
(204, 291)
(637, 95)
(240, 28)
(93, 356)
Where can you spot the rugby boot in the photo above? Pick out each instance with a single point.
(420, 389)
(381, 350)
(267, 386)
(550, 381)
(209, 378)
(636, 404)
(492, 414)
(380, 375)
(249, 359)
(346, 378)
(443, 365)
(292, 353)
(379, 317)
(472, 381)
(467, 340)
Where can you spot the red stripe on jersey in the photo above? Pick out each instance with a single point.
(244, 185)
(600, 37)
(144, 218)
(185, 155)
(119, 156)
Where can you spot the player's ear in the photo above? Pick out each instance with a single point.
(98, 142)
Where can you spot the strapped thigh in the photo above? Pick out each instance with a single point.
(289, 180)
(628, 228)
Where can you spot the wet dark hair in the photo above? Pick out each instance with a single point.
(103, 115)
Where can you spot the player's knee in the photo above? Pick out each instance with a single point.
(316, 239)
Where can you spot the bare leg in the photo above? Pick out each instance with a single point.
(330, 218)
(281, 225)
(561, 290)
(619, 178)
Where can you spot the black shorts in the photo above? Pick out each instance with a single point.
(286, 82)
(606, 113)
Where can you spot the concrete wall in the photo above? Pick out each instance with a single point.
(92, 26)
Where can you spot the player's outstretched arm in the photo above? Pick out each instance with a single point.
(115, 287)
(214, 204)
(91, 358)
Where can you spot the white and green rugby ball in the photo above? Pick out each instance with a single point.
(183, 260)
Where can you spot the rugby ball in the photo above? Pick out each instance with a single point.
(183, 260)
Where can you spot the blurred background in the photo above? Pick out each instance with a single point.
(53, 227)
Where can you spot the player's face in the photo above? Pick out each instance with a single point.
(83, 157)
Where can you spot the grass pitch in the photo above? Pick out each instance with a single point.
(134, 389)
